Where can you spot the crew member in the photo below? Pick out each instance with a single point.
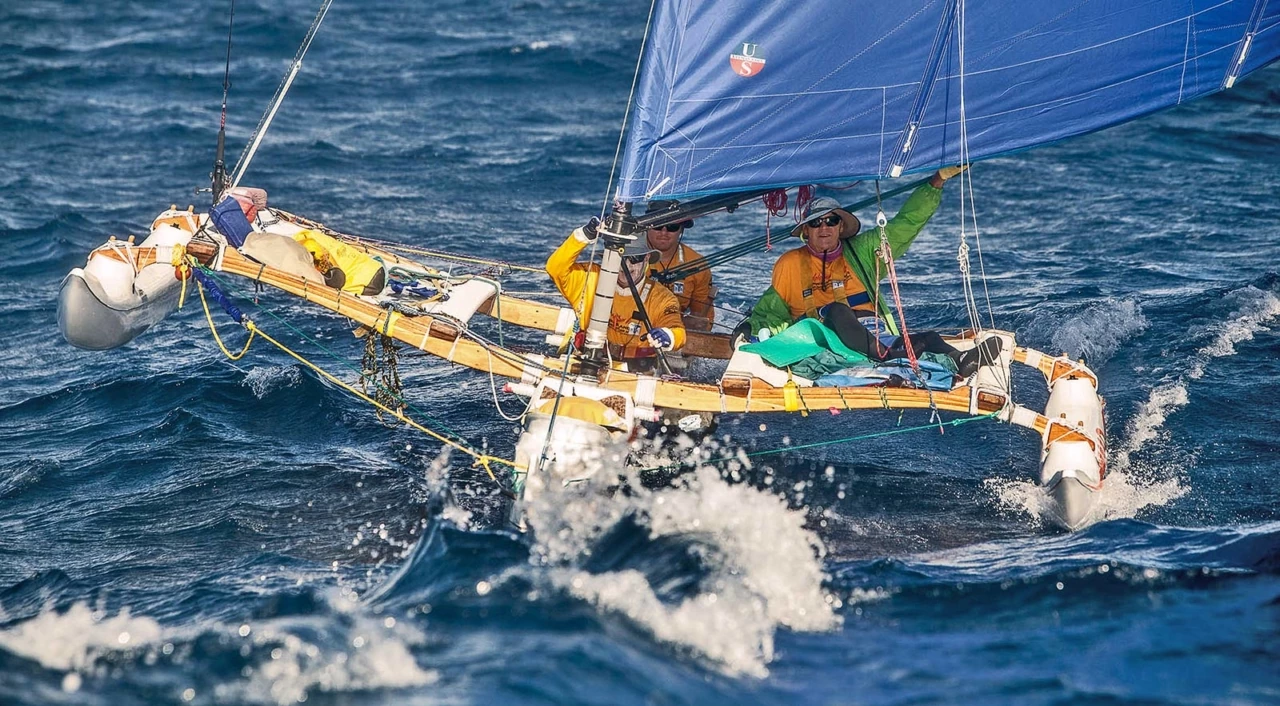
(695, 291)
(829, 278)
(628, 339)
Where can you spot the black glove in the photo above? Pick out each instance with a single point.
(591, 228)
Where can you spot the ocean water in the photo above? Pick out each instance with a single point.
(177, 528)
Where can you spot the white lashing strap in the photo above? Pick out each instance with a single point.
(425, 334)
(646, 390)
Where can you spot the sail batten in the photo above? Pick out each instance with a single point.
(742, 94)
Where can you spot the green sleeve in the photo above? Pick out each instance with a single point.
(901, 231)
(770, 311)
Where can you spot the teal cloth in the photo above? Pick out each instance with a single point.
(805, 338)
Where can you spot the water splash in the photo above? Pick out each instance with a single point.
(79, 637)
(1099, 331)
(1253, 308)
(373, 654)
(286, 658)
(763, 568)
(263, 380)
(1130, 489)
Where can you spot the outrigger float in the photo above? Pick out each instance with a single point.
(720, 119)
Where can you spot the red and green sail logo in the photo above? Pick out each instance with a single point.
(747, 61)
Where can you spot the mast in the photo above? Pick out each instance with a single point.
(218, 179)
(618, 229)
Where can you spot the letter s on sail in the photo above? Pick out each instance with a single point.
(747, 61)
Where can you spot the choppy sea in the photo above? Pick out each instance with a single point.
(177, 528)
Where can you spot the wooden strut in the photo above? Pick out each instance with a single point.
(440, 338)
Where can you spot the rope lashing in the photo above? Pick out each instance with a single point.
(831, 442)
(206, 283)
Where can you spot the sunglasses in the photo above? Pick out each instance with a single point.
(672, 227)
(831, 220)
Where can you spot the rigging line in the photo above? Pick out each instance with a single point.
(397, 247)
(962, 254)
(215, 276)
(480, 457)
(493, 388)
(966, 181)
(242, 163)
(830, 442)
(622, 131)
(1005, 377)
(219, 166)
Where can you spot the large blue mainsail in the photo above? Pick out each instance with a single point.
(743, 94)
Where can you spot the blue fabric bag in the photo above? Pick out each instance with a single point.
(229, 219)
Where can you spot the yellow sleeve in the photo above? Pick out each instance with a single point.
(564, 270)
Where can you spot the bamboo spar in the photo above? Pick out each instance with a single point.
(441, 338)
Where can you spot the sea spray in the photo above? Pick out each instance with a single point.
(1100, 330)
(282, 660)
(763, 568)
(1130, 489)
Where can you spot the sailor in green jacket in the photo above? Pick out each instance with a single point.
(832, 276)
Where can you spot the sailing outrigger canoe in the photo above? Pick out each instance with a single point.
(1072, 430)
(736, 101)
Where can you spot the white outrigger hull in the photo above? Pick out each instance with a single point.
(118, 294)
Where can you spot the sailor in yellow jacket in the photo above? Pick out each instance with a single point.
(694, 291)
(627, 337)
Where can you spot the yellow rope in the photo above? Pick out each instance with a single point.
(214, 330)
(182, 270)
(184, 262)
(482, 460)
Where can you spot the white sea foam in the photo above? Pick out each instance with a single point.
(765, 568)
(76, 639)
(263, 380)
(1253, 309)
(1099, 331)
(374, 654)
(361, 651)
(1130, 488)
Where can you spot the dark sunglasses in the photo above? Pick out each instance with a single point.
(673, 227)
(831, 220)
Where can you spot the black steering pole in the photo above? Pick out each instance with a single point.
(644, 316)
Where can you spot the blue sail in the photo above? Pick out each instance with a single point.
(745, 94)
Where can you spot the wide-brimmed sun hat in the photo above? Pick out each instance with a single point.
(822, 206)
(639, 248)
